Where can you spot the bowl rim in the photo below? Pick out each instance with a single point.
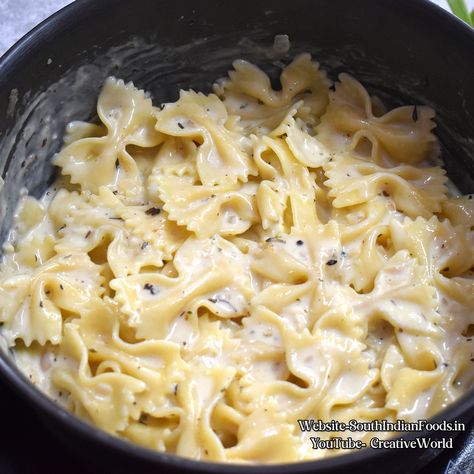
(41, 403)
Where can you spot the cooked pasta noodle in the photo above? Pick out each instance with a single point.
(206, 273)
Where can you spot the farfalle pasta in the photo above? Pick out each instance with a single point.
(206, 273)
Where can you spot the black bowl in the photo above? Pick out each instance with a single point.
(407, 51)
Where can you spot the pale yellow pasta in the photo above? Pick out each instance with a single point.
(207, 273)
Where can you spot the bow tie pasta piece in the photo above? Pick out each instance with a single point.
(280, 444)
(126, 237)
(220, 157)
(215, 342)
(211, 271)
(37, 241)
(404, 396)
(332, 365)
(226, 209)
(402, 298)
(305, 271)
(156, 363)
(366, 240)
(361, 260)
(439, 246)
(32, 304)
(32, 251)
(409, 308)
(106, 398)
(415, 191)
(129, 119)
(152, 226)
(176, 157)
(460, 210)
(286, 195)
(248, 93)
(71, 209)
(404, 133)
(276, 264)
(307, 149)
(316, 365)
(357, 220)
(200, 393)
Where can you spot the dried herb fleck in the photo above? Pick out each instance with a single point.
(153, 211)
(331, 262)
(151, 288)
(144, 245)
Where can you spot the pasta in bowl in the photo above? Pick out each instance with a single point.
(208, 272)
